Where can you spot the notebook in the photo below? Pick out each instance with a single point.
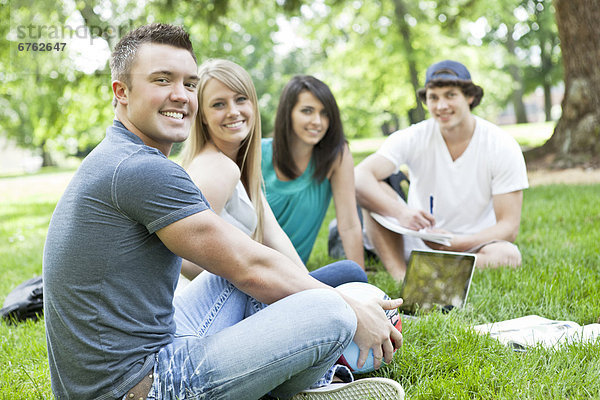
(393, 225)
(436, 280)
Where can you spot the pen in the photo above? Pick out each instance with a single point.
(431, 204)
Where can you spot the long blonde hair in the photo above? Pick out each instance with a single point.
(249, 155)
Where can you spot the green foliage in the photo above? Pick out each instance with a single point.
(47, 103)
(541, 42)
(58, 102)
(365, 64)
(520, 34)
(239, 35)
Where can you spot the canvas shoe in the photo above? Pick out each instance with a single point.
(361, 389)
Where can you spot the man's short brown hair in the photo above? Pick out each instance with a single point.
(125, 51)
(468, 88)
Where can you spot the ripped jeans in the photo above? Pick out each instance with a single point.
(229, 346)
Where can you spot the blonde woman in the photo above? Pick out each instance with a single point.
(223, 158)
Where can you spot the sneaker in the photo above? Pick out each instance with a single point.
(362, 389)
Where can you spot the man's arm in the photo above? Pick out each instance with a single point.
(206, 240)
(373, 197)
(267, 275)
(507, 208)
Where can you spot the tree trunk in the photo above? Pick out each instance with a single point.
(546, 47)
(517, 77)
(576, 138)
(418, 113)
(547, 100)
(47, 160)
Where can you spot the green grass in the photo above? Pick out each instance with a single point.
(441, 356)
(559, 279)
(23, 358)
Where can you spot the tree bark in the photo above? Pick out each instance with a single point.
(547, 44)
(418, 113)
(517, 77)
(47, 160)
(576, 138)
(547, 100)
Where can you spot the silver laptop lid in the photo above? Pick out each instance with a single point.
(436, 280)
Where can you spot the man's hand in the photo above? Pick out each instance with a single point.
(457, 243)
(374, 330)
(414, 219)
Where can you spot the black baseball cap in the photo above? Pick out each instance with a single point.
(448, 70)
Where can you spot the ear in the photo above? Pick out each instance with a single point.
(121, 92)
(470, 99)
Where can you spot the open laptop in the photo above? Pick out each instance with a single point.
(436, 280)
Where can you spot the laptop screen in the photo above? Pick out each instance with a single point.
(436, 279)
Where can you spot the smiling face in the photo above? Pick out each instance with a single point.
(449, 107)
(160, 103)
(228, 116)
(310, 120)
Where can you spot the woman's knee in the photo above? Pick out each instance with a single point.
(340, 272)
(351, 271)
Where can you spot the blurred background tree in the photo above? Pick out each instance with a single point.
(373, 54)
(576, 138)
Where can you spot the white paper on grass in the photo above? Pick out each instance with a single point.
(531, 330)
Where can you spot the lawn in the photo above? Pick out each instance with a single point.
(441, 356)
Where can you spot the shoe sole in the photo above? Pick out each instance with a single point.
(362, 389)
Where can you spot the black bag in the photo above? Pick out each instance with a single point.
(24, 302)
(334, 241)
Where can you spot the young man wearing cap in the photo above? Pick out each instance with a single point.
(466, 177)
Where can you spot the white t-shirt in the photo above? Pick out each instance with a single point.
(462, 190)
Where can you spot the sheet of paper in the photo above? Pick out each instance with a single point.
(530, 330)
(393, 225)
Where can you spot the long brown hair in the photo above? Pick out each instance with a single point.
(328, 149)
(249, 155)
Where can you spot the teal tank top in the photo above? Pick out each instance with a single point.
(299, 205)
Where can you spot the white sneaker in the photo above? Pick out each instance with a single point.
(361, 389)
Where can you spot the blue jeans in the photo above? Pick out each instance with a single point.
(340, 272)
(228, 345)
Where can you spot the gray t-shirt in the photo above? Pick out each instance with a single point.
(108, 279)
